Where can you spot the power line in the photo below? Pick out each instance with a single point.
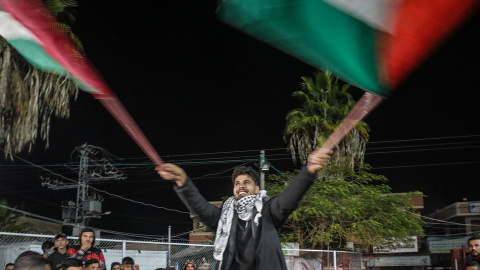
(425, 165)
(422, 150)
(103, 230)
(421, 145)
(99, 190)
(425, 139)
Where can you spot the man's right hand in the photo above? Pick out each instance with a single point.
(85, 247)
(170, 171)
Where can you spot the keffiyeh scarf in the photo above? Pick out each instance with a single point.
(244, 208)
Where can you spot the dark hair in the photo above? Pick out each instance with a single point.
(8, 264)
(113, 264)
(128, 260)
(473, 238)
(30, 260)
(92, 261)
(248, 171)
(28, 253)
(70, 262)
(185, 267)
(473, 264)
(47, 245)
(84, 231)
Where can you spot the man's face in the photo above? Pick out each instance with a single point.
(474, 247)
(61, 243)
(10, 267)
(93, 266)
(116, 267)
(127, 266)
(74, 268)
(190, 267)
(87, 237)
(244, 185)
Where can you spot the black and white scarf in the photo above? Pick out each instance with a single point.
(244, 208)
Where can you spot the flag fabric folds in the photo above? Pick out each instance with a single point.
(29, 27)
(372, 44)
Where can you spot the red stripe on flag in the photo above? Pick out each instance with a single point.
(421, 26)
(115, 107)
(34, 16)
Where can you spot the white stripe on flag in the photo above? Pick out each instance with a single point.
(10, 29)
(375, 13)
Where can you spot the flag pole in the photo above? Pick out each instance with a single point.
(364, 106)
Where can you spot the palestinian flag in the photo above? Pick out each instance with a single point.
(372, 44)
(29, 27)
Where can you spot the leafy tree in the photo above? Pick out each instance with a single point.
(349, 203)
(326, 102)
(28, 96)
(358, 207)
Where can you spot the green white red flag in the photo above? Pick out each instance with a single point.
(30, 28)
(372, 44)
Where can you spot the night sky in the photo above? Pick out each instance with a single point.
(196, 86)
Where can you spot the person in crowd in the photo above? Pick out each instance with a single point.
(249, 222)
(472, 265)
(128, 263)
(189, 266)
(9, 266)
(115, 266)
(30, 260)
(86, 250)
(47, 248)
(92, 264)
(473, 244)
(71, 264)
(60, 251)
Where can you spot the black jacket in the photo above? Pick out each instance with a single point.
(268, 253)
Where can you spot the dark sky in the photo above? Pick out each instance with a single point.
(195, 85)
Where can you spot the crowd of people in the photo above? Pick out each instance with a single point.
(58, 255)
(247, 225)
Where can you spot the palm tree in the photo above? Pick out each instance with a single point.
(325, 103)
(28, 96)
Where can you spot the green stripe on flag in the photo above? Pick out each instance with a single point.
(313, 31)
(39, 59)
(36, 56)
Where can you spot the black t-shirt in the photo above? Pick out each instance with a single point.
(56, 259)
(244, 247)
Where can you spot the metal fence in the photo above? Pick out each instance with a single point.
(150, 255)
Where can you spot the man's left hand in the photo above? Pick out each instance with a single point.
(318, 159)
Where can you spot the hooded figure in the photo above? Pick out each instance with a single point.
(86, 251)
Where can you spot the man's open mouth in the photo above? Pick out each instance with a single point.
(242, 192)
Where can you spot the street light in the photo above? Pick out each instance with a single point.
(264, 167)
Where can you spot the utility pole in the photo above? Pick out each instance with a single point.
(264, 167)
(169, 244)
(82, 187)
(94, 166)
